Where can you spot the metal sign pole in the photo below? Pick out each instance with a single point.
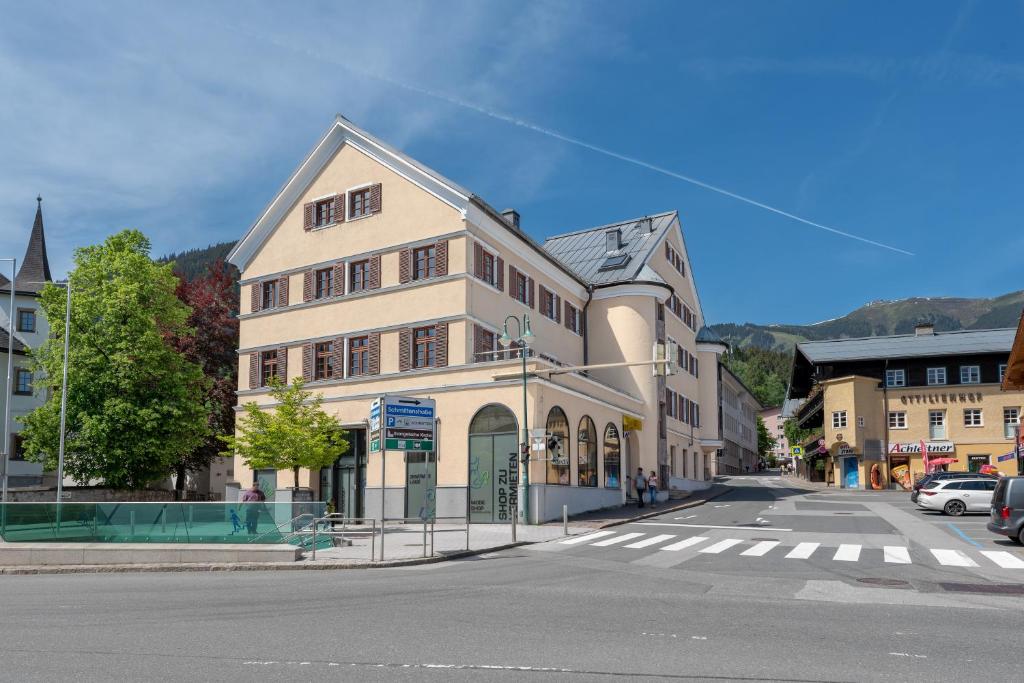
(383, 473)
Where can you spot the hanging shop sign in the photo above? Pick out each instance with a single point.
(934, 448)
(632, 424)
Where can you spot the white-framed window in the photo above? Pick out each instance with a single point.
(839, 419)
(970, 374)
(972, 417)
(896, 378)
(897, 419)
(936, 376)
(1011, 418)
(1002, 372)
(937, 424)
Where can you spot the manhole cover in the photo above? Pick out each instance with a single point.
(879, 581)
(990, 588)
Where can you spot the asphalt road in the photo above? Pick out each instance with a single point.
(562, 611)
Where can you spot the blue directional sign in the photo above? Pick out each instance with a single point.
(408, 424)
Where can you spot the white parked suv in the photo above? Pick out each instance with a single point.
(957, 496)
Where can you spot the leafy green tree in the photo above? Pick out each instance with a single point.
(794, 435)
(764, 371)
(135, 404)
(297, 434)
(765, 441)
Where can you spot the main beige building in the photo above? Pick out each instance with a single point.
(371, 274)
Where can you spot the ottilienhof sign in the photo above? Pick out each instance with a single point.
(949, 397)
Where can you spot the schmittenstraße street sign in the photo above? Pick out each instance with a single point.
(407, 424)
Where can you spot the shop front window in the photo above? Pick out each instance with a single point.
(612, 455)
(557, 447)
(586, 453)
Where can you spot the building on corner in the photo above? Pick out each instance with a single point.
(775, 424)
(370, 273)
(874, 402)
(739, 411)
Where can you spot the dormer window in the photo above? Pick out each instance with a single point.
(612, 240)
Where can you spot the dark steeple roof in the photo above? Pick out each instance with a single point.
(35, 267)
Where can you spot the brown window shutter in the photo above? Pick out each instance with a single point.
(374, 273)
(404, 266)
(375, 198)
(478, 340)
(307, 216)
(513, 285)
(441, 254)
(282, 364)
(254, 370)
(478, 260)
(441, 345)
(558, 308)
(339, 357)
(568, 315)
(373, 354)
(282, 290)
(339, 279)
(307, 286)
(307, 362)
(530, 292)
(404, 349)
(256, 299)
(339, 208)
(499, 267)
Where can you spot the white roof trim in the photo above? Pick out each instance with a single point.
(341, 132)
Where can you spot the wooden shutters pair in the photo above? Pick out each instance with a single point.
(483, 345)
(440, 262)
(406, 350)
(309, 211)
(337, 282)
(256, 294)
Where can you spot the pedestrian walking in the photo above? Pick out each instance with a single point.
(641, 486)
(652, 486)
(252, 499)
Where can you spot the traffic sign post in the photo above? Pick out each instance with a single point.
(399, 423)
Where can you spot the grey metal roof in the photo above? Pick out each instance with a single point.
(960, 342)
(705, 335)
(5, 340)
(790, 407)
(584, 251)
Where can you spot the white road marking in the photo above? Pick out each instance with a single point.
(1004, 559)
(847, 552)
(693, 540)
(705, 526)
(896, 554)
(907, 654)
(953, 558)
(616, 539)
(723, 506)
(802, 551)
(721, 545)
(760, 549)
(687, 517)
(587, 537)
(650, 541)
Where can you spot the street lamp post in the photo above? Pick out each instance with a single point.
(10, 379)
(524, 335)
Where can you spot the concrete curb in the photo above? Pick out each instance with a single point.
(683, 506)
(308, 565)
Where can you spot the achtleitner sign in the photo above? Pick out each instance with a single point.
(934, 447)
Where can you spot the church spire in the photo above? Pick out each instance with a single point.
(35, 267)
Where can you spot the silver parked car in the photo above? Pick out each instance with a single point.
(957, 496)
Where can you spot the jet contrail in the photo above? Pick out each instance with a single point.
(522, 123)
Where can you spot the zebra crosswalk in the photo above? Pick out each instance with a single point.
(844, 552)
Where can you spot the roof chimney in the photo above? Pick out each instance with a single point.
(923, 329)
(512, 216)
(612, 240)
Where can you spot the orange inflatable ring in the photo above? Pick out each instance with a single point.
(876, 476)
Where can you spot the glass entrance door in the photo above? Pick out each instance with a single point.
(421, 485)
(493, 478)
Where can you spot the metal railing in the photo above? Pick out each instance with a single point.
(332, 521)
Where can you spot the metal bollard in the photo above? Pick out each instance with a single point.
(424, 538)
(565, 520)
(431, 538)
(373, 540)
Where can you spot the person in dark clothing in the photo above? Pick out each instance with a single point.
(641, 486)
(252, 499)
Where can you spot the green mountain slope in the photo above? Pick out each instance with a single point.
(194, 262)
(884, 317)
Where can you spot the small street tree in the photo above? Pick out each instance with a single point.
(135, 404)
(765, 441)
(296, 434)
(213, 300)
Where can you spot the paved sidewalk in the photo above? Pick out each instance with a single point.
(598, 519)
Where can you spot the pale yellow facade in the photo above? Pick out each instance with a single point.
(415, 209)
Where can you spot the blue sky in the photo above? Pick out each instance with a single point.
(897, 122)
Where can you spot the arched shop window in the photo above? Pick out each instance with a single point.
(558, 447)
(586, 453)
(612, 454)
(493, 419)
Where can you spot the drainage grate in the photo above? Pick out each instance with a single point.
(879, 581)
(990, 588)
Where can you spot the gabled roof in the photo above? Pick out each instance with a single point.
(957, 343)
(35, 267)
(5, 341)
(585, 251)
